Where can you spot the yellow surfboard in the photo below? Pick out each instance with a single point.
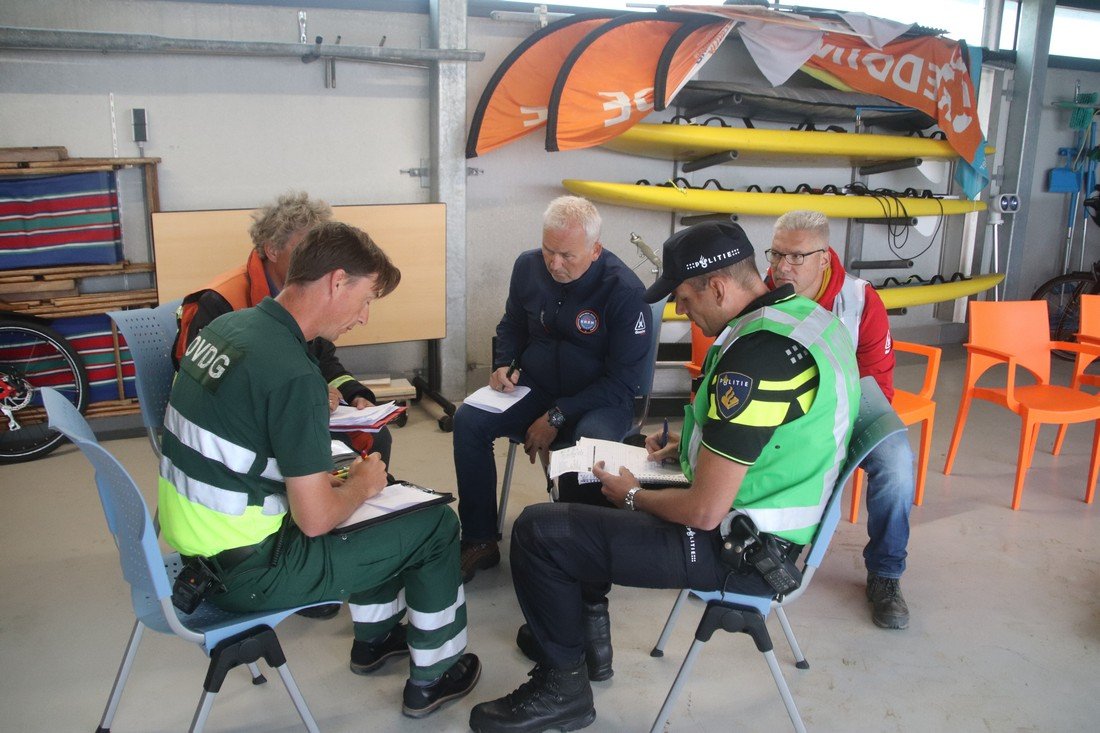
(908, 296)
(785, 147)
(745, 203)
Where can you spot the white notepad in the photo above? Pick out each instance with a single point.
(490, 400)
(589, 451)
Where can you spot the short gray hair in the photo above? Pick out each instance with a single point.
(292, 212)
(568, 211)
(804, 221)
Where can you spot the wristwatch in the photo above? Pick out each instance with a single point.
(629, 500)
(555, 417)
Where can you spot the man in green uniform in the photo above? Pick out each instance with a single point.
(766, 438)
(246, 482)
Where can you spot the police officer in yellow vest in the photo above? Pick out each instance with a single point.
(766, 438)
(246, 482)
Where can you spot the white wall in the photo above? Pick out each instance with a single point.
(235, 132)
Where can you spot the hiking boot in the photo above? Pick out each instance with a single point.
(456, 682)
(477, 556)
(320, 613)
(553, 699)
(597, 641)
(368, 656)
(889, 610)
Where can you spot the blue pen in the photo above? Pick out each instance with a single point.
(663, 441)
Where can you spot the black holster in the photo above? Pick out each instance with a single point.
(746, 550)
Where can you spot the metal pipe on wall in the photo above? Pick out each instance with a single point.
(65, 40)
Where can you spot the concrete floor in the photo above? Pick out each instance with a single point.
(1004, 634)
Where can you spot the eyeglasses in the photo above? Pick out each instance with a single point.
(792, 258)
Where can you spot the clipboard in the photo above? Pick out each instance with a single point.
(395, 500)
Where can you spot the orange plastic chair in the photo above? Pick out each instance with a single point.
(1017, 333)
(700, 345)
(1088, 333)
(912, 408)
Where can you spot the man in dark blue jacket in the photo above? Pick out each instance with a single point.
(576, 331)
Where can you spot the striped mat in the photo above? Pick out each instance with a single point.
(69, 219)
(91, 337)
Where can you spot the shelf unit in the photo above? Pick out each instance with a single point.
(51, 292)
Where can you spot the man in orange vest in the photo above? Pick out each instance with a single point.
(277, 231)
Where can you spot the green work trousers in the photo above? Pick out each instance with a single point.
(408, 562)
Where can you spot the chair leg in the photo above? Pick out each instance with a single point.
(202, 712)
(296, 696)
(924, 454)
(1059, 439)
(1094, 464)
(956, 434)
(784, 692)
(677, 684)
(505, 487)
(121, 677)
(670, 623)
(857, 495)
(257, 676)
(1028, 435)
(799, 657)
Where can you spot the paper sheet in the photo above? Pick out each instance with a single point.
(588, 451)
(490, 400)
(346, 417)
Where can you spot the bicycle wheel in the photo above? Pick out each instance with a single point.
(1063, 297)
(32, 357)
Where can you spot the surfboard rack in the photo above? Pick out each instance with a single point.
(880, 264)
(709, 160)
(888, 165)
(691, 219)
(902, 221)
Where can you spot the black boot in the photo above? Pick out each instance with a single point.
(597, 641)
(554, 699)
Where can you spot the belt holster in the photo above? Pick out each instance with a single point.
(746, 550)
(196, 581)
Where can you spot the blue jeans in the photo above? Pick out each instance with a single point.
(890, 489)
(476, 470)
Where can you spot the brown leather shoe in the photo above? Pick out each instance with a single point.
(477, 556)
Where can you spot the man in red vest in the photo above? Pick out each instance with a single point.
(800, 256)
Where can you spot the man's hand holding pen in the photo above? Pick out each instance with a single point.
(506, 378)
(663, 446)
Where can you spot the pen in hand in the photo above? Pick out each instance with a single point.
(511, 370)
(663, 440)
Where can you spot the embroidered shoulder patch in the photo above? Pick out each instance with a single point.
(731, 393)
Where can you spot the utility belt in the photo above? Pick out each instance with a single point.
(201, 576)
(746, 550)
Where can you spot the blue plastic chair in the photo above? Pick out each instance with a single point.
(228, 639)
(514, 441)
(736, 612)
(150, 334)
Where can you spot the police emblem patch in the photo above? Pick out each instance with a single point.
(588, 321)
(731, 393)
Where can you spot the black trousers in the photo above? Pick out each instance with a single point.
(558, 550)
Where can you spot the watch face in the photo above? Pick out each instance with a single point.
(556, 418)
